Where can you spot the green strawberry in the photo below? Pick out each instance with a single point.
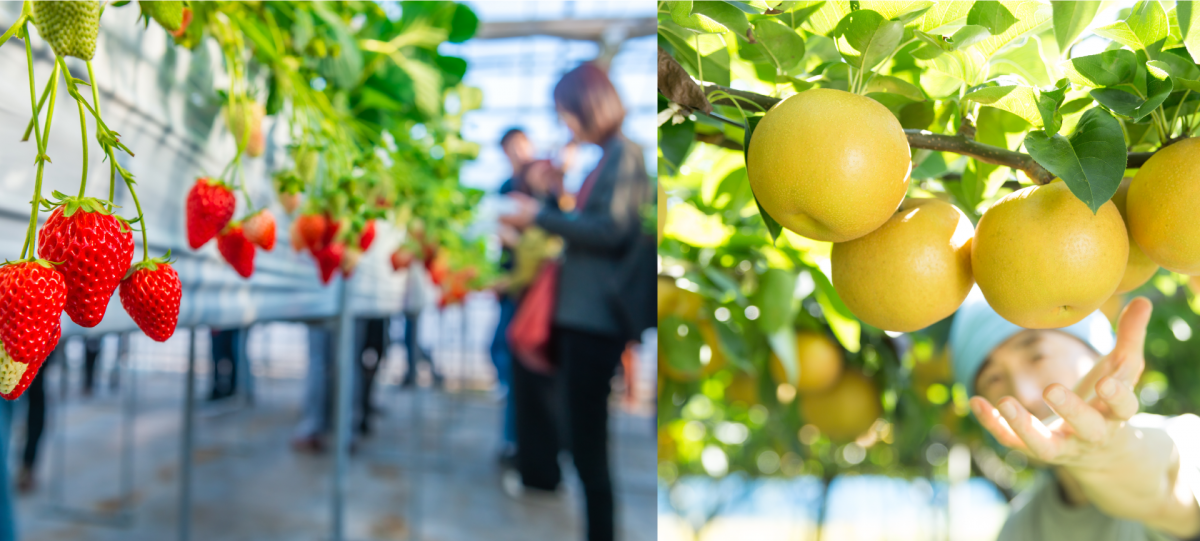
(168, 14)
(69, 27)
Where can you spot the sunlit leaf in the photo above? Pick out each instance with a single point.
(1144, 30)
(1091, 161)
(1071, 19)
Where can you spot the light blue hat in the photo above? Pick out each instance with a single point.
(977, 330)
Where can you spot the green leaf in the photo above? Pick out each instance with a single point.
(463, 25)
(1075, 105)
(826, 18)
(796, 15)
(843, 323)
(1145, 29)
(680, 341)
(753, 7)
(781, 43)
(895, 85)
(905, 11)
(1158, 88)
(774, 300)
(1048, 103)
(991, 15)
(1030, 14)
(681, 13)
(1018, 100)
(1070, 20)
(715, 64)
(773, 226)
(726, 15)
(1122, 102)
(675, 140)
(967, 36)
(783, 345)
(1189, 26)
(872, 36)
(1110, 68)
(1026, 61)
(1091, 161)
(944, 13)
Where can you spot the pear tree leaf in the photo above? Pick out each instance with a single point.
(1145, 29)
(1070, 20)
(773, 226)
(1189, 26)
(1183, 72)
(726, 15)
(1110, 68)
(869, 34)
(1048, 103)
(1018, 100)
(680, 340)
(991, 15)
(845, 326)
(1091, 161)
(1074, 106)
(1158, 88)
(895, 85)
(1030, 15)
(681, 14)
(1120, 101)
(944, 13)
(783, 345)
(905, 11)
(774, 300)
(779, 42)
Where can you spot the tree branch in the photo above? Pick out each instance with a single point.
(720, 140)
(957, 144)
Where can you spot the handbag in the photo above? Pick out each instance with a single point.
(529, 332)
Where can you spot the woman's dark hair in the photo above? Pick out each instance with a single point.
(587, 93)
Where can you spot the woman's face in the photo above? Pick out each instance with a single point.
(574, 125)
(1024, 365)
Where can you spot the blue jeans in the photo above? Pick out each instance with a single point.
(502, 358)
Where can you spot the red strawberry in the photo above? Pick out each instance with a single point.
(260, 229)
(401, 259)
(331, 231)
(329, 259)
(238, 251)
(150, 295)
(32, 296)
(312, 229)
(210, 205)
(438, 269)
(367, 236)
(95, 249)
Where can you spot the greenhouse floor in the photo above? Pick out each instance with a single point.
(431, 477)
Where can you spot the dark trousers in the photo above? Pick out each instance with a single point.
(534, 402)
(374, 339)
(587, 364)
(224, 355)
(91, 355)
(415, 353)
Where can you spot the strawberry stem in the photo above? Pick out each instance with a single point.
(112, 165)
(17, 25)
(136, 204)
(82, 124)
(30, 246)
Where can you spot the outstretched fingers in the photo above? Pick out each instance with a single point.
(1087, 423)
(991, 420)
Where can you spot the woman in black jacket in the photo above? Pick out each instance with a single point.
(588, 335)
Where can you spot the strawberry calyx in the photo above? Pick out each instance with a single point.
(43, 262)
(149, 264)
(72, 204)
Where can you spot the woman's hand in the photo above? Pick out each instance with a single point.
(1125, 469)
(526, 210)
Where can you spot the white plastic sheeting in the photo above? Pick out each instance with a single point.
(162, 100)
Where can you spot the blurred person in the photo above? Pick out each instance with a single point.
(373, 339)
(8, 520)
(416, 297)
(228, 350)
(1107, 471)
(316, 405)
(531, 402)
(519, 150)
(605, 223)
(35, 420)
(92, 346)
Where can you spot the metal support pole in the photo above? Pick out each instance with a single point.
(129, 411)
(185, 460)
(345, 367)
